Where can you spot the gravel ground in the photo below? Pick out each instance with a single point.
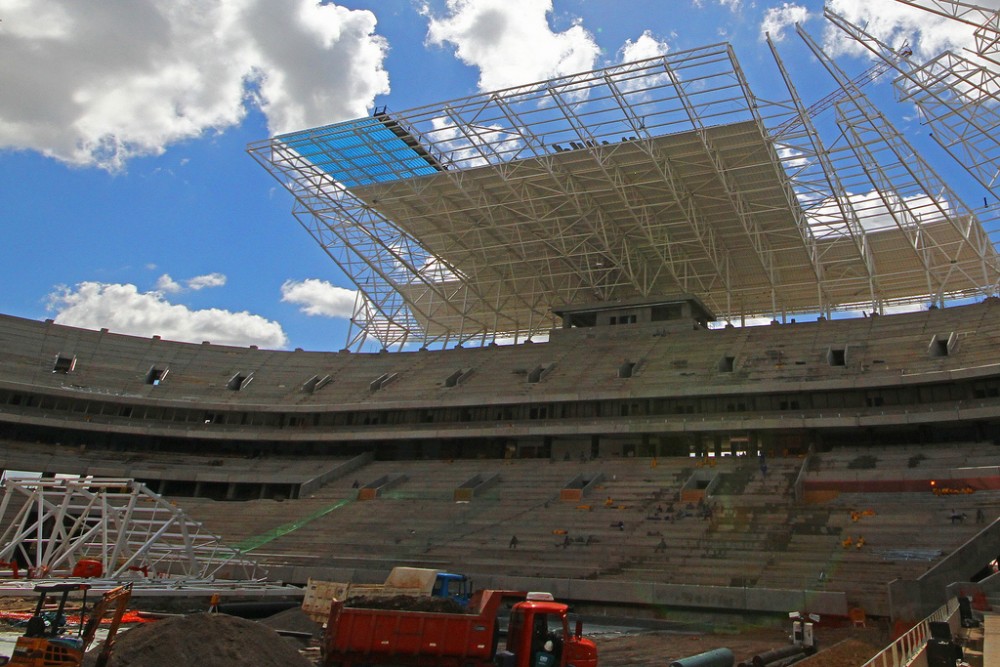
(839, 647)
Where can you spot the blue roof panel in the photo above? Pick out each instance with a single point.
(362, 151)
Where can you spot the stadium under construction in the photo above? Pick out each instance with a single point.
(552, 339)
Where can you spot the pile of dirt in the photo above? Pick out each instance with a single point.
(408, 603)
(206, 640)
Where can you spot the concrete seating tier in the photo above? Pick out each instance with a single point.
(573, 364)
(757, 536)
(250, 476)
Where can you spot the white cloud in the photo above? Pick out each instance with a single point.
(318, 297)
(167, 284)
(646, 46)
(927, 34)
(732, 5)
(777, 19)
(511, 42)
(99, 83)
(207, 280)
(123, 309)
(468, 146)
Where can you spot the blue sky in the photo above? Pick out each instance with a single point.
(129, 201)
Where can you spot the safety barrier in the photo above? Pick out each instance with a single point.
(911, 642)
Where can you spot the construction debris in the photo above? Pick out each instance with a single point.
(408, 603)
(206, 640)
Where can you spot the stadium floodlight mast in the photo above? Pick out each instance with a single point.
(469, 221)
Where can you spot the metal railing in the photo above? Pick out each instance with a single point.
(912, 642)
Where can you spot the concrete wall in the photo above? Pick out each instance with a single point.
(620, 592)
(917, 599)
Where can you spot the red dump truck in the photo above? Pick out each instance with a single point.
(358, 636)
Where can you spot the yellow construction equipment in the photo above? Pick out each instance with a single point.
(49, 641)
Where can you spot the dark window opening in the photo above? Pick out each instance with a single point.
(941, 345)
(63, 364)
(540, 412)
(537, 373)
(381, 381)
(727, 364)
(315, 383)
(625, 370)
(837, 357)
(156, 375)
(239, 381)
(457, 377)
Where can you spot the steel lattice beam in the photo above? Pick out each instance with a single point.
(986, 21)
(53, 523)
(476, 218)
(942, 233)
(960, 100)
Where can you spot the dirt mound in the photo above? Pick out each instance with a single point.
(206, 640)
(408, 603)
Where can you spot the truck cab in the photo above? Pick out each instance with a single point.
(455, 587)
(537, 620)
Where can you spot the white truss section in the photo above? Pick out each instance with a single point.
(985, 20)
(473, 219)
(912, 214)
(50, 524)
(959, 99)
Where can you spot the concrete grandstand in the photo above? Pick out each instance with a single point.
(644, 449)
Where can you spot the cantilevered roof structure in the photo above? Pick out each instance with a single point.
(472, 219)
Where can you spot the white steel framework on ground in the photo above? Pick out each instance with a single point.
(53, 523)
(470, 220)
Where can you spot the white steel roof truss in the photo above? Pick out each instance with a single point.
(487, 226)
(616, 177)
(818, 154)
(869, 131)
(387, 258)
(959, 99)
(435, 208)
(763, 251)
(986, 21)
(647, 178)
(906, 219)
(315, 193)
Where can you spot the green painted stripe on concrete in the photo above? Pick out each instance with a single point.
(260, 540)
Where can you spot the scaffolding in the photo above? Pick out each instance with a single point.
(469, 221)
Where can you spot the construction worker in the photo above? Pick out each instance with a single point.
(545, 657)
